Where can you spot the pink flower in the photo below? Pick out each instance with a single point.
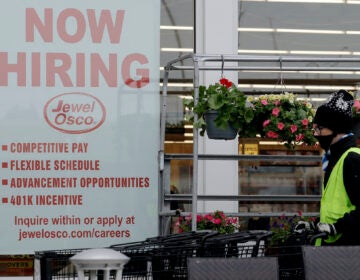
(208, 217)
(231, 220)
(299, 137)
(214, 221)
(225, 82)
(357, 105)
(272, 134)
(277, 102)
(265, 123)
(275, 111)
(264, 102)
(305, 122)
(280, 126)
(293, 128)
(221, 214)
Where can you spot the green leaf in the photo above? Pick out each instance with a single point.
(215, 102)
(249, 115)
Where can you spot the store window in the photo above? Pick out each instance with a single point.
(265, 28)
(177, 39)
(300, 28)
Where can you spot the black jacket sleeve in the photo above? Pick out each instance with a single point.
(351, 221)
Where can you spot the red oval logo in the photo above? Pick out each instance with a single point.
(74, 112)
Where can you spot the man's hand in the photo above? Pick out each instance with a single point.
(327, 228)
(302, 226)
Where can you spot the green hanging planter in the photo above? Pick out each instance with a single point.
(215, 132)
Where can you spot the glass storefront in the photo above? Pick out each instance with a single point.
(281, 28)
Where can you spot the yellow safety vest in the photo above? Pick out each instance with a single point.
(335, 201)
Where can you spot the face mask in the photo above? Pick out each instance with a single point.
(325, 140)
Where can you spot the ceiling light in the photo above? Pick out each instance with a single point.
(176, 49)
(172, 27)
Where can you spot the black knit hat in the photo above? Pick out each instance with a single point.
(336, 113)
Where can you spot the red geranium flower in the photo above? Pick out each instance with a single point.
(226, 82)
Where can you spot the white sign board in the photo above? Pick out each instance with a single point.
(79, 122)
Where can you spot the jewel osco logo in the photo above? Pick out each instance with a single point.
(74, 112)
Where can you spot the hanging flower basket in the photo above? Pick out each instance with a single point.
(215, 132)
(230, 105)
(283, 118)
(279, 117)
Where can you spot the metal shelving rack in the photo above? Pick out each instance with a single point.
(218, 62)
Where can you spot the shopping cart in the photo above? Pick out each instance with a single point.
(289, 253)
(162, 257)
(55, 264)
(170, 261)
(242, 244)
(151, 258)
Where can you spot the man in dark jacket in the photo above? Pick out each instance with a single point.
(340, 202)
